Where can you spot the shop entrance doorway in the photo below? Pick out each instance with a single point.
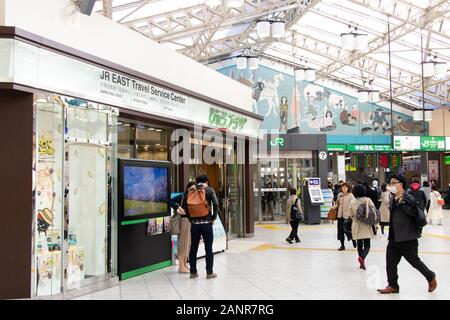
(227, 181)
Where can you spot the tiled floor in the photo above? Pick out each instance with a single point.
(267, 267)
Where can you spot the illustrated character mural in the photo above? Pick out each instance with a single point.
(315, 108)
(283, 114)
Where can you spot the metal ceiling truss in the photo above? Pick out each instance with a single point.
(194, 30)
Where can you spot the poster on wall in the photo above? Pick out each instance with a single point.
(433, 170)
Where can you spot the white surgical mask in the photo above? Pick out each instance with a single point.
(393, 189)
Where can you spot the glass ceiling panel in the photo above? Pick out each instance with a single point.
(155, 8)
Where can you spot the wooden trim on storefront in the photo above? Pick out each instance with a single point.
(16, 185)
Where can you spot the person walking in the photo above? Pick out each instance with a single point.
(427, 189)
(435, 213)
(384, 207)
(293, 206)
(200, 201)
(343, 206)
(179, 205)
(270, 202)
(361, 231)
(375, 187)
(403, 237)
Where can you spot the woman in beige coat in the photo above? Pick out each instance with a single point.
(384, 207)
(361, 232)
(343, 205)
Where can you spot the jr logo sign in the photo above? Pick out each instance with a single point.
(277, 142)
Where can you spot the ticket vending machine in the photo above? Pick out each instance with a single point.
(313, 199)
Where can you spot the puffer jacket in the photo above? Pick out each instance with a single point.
(360, 230)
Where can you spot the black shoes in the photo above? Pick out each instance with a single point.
(354, 243)
(341, 249)
(297, 241)
(211, 276)
(194, 275)
(289, 240)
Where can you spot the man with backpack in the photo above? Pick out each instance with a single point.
(405, 228)
(199, 201)
(418, 193)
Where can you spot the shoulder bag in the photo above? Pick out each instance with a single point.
(175, 222)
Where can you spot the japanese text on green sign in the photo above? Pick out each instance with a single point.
(223, 119)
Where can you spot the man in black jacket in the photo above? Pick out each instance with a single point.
(403, 235)
(202, 227)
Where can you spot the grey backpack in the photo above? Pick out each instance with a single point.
(368, 214)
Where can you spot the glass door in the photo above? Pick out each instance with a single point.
(86, 213)
(87, 171)
(234, 195)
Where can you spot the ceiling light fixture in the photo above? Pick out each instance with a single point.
(234, 3)
(354, 41)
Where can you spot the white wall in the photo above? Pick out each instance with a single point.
(341, 87)
(101, 37)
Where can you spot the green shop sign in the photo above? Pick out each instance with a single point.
(223, 119)
(369, 147)
(336, 147)
(277, 142)
(432, 143)
(359, 147)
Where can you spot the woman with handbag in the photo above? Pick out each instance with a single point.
(361, 232)
(343, 202)
(384, 207)
(179, 205)
(436, 203)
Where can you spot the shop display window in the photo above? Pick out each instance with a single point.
(49, 197)
(73, 158)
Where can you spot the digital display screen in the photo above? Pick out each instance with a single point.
(145, 190)
(314, 182)
(315, 193)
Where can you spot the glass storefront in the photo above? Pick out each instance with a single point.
(144, 141)
(276, 177)
(73, 169)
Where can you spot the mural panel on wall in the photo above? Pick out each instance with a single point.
(314, 108)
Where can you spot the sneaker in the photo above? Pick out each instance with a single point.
(211, 276)
(194, 275)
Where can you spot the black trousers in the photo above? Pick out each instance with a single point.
(408, 250)
(206, 232)
(294, 233)
(363, 247)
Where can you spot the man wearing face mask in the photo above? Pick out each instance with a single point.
(403, 237)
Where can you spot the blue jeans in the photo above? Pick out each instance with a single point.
(206, 232)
